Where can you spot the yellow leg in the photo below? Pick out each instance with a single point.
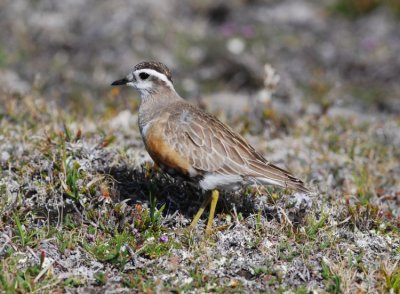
(199, 213)
(214, 201)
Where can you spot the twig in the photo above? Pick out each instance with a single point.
(42, 272)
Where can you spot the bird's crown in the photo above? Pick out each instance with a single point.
(155, 65)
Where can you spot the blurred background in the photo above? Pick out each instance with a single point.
(327, 53)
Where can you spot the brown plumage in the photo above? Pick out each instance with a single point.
(204, 145)
(185, 140)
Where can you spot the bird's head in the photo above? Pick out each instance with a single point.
(148, 77)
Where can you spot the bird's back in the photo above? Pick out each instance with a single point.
(182, 138)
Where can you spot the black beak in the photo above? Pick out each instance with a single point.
(120, 82)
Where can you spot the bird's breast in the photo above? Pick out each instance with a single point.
(162, 152)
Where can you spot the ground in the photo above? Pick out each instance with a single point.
(312, 85)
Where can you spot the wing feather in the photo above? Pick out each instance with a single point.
(212, 147)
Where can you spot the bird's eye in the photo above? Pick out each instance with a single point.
(143, 75)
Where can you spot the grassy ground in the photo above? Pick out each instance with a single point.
(81, 209)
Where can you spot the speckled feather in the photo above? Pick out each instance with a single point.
(206, 146)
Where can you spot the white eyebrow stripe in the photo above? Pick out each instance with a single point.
(158, 75)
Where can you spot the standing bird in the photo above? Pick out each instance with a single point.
(186, 141)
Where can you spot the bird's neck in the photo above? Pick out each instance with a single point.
(153, 103)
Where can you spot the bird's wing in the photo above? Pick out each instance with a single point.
(212, 147)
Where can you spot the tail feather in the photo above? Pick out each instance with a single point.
(272, 174)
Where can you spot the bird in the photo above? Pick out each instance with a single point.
(185, 141)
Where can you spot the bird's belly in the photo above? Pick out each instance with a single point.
(212, 181)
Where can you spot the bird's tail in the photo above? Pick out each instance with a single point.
(270, 174)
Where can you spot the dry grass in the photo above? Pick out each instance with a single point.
(80, 210)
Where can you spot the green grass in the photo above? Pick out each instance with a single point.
(358, 8)
(28, 280)
(333, 281)
(114, 250)
(72, 176)
(315, 225)
(101, 278)
(286, 251)
(392, 279)
(355, 8)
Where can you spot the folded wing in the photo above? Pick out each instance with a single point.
(212, 147)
